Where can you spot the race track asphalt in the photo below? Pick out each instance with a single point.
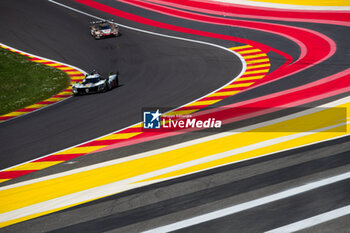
(79, 119)
(154, 71)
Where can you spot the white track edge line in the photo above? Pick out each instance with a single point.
(250, 204)
(313, 221)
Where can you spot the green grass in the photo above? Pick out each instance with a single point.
(23, 82)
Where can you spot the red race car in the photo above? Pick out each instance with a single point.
(100, 29)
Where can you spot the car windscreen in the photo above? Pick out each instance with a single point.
(104, 27)
(91, 80)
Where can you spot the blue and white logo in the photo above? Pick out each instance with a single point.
(151, 120)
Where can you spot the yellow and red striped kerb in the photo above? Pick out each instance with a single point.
(258, 66)
(74, 74)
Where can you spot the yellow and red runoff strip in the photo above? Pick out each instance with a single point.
(258, 65)
(74, 74)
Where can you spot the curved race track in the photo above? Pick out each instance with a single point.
(154, 71)
(165, 72)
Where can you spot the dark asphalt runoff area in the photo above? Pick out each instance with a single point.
(165, 72)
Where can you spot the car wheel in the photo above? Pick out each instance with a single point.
(107, 85)
(104, 88)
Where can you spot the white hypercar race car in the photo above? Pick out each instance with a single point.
(94, 83)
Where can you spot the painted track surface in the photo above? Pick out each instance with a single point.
(136, 55)
(169, 201)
